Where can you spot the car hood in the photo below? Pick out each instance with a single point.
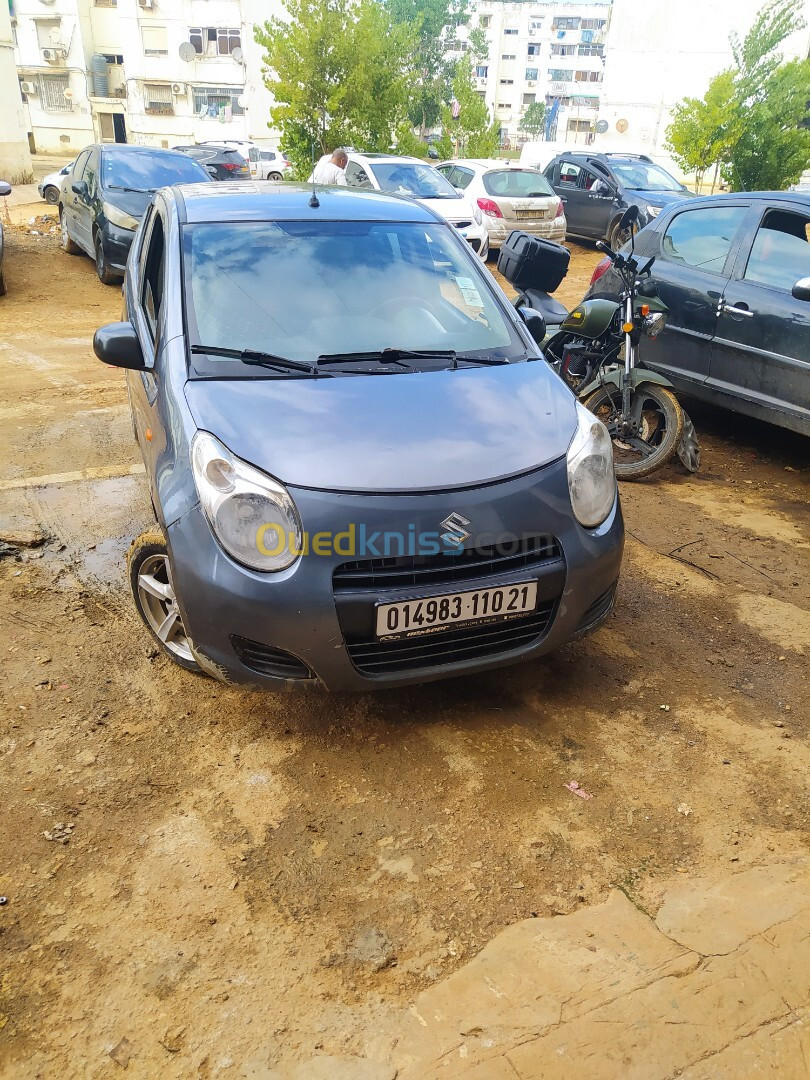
(409, 432)
(450, 209)
(663, 198)
(131, 202)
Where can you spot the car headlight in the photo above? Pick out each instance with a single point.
(591, 480)
(250, 514)
(477, 215)
(653, 211)
(116, 216)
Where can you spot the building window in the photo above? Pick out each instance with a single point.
(504, 105)
(587, 76)
(529, 99)
(563, 50)
(52, 93)
(507, 56)
(588, 50)
(481, 71)
(579, 125)
(105, 3)
(531, 74)
(535, 25)
(485, 22)
(593, 24)
(565, 23)
(507, 82)
(511, 31)
(217, 101)
(214, 40)
(155, 40)
(157, 99)
(534, 48)
(560, 74)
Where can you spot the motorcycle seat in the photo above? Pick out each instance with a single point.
(551, 310)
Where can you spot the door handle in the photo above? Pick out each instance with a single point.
(734, 309)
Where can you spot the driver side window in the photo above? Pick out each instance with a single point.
(569, 174)
(153, 276)
(357, 177)
(79, 164)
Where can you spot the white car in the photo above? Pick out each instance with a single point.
(273, 166)
(49, 186)
(510, 196)
(418, 180)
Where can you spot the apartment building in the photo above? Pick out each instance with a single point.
(155, 72)
(549, 52)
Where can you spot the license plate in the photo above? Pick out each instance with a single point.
(411, 617)
(530, 215)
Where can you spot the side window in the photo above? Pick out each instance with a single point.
(253, 154)
(588, 180)
(781, 251)
(569, 174)
(146, 229)
(152, 286)
(461, 178)
(356, 176)
(703, 237)
(91, 172)
(79, 164)
(446, 171)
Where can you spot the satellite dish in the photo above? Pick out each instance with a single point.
(187, 51)
(622, 126)
(242, 101)
(68, 94)
(55, 34)
(601, 126)
(237, 55)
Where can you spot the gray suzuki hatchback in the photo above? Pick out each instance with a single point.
(363, 472)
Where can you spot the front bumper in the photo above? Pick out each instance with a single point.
(477, 237)
(271, 631)
(117, 243)
(550, 229)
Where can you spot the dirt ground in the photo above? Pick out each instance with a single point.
(205, 882)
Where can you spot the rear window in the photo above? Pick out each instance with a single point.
(150, 170)
(516, 184)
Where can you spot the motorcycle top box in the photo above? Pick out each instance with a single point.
(529, 262)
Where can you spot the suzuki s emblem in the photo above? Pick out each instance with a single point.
(456, 532)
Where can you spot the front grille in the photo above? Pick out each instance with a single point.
(265, 660)
(466, 565)
(462, 224)
(373, 657)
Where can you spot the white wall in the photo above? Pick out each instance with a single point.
(14, 156)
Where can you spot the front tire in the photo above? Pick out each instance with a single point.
(66, 244)
(2, 284)
(619, 238)
(150, 579)
(51, 195)
(105, 275)
(660, 428)
(274, 176)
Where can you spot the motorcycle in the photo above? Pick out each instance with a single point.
(595, 349)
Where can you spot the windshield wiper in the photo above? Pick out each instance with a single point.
(134, 190)
(259, 359)
(396, 356)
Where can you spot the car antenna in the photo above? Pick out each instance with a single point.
(313, 199)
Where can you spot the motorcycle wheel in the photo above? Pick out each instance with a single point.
(660, 430)
(689, 448)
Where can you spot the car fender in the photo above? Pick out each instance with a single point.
(638, 376)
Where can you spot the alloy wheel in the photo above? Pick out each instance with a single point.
(159, 606)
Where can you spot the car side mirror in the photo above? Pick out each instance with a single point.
(534, 322)
(801, 290)
(117, 344)
(79, 187)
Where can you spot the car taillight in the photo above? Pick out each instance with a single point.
(601, 267)
(489, 207)
(560, 209)
(230, 166)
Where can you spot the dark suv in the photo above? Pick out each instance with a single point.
(598, 188)
(104, 196)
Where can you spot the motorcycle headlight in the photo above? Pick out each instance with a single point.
(116, 216)
(653, 211)
(591, 480)
(477, 215)
(251, 515)
(654, 323)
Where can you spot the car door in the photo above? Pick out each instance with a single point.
(69, 197)
(85, 205)
(598, 204)
(357, 177)
(566, 177)
(694, 250)
(760, 355)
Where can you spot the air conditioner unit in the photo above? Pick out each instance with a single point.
(49, 55)
(28, 87)
(531, 83)
(178, 88)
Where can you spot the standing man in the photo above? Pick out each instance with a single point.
(331, 170)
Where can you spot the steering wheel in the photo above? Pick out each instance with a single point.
(400, 301)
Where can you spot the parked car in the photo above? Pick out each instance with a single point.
(106, 193)
(417, 180)
(598, 188)
(249, 151)
(5, 189)
(734, 272)
(49, 186)
(273, 165)
(509, 196)
(433, 501)
(220, 161)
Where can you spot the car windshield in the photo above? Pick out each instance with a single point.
(644, 176)
(302, 289)
(418, 181)
(144, 171)
(516, 184)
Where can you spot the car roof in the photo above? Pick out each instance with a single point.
(488, 164)
(261, 200)
(801, 200)
(393, 159)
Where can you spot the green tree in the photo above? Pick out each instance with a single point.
(471, 133)
(534, 119)
(338, 71)
(702, 132)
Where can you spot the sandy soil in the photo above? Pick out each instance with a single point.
(220, 878)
